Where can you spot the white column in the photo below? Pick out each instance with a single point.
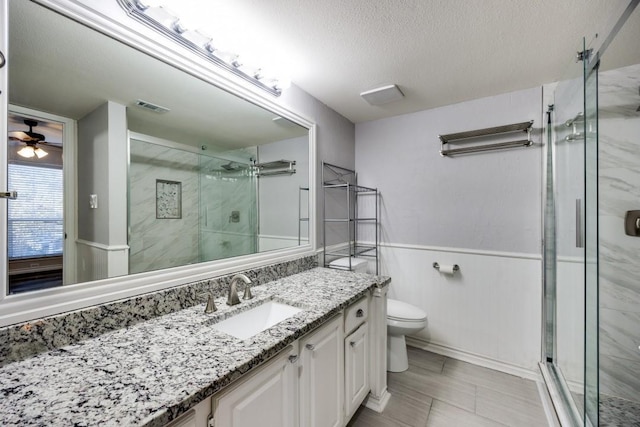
(379, 396)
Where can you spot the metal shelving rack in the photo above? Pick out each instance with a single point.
(336, 178)
(302, 219)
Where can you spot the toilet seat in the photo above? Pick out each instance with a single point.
(401, 311)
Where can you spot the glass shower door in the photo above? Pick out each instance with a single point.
(228, 209)
(571, 245)
(591, 317)
(566, 331)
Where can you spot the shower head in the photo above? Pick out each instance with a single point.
(233, 166)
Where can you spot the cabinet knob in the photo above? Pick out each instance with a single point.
(352, 343)
(293, 358)
(310, 347)
(359, 313)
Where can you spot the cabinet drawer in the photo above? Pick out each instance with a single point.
(356, 314)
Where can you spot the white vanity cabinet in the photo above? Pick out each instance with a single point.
(268, 397)
(319, 380)
(356, 356)
(322, 376)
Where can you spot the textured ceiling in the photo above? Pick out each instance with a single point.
(438, 52)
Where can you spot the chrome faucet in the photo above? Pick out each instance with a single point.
(233, 289)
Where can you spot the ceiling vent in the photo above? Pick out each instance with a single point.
(382, 95)
(153, 107)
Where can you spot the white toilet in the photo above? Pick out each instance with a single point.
(402, 319)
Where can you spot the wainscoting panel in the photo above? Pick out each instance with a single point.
(97, 261)
(490, 309)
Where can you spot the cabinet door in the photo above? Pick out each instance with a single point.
(321, 376)
(198, 416)
(186, 420)
(267, 398)
(356, 366)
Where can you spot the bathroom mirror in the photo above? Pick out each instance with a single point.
(147, 167)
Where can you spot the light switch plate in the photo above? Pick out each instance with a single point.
(93, 201)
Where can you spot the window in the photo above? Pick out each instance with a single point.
(35, 218)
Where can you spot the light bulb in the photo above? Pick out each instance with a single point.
(282, 84)
(27, 152)
(40, 152)
(163, 16)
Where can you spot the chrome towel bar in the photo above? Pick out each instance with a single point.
(460, 137)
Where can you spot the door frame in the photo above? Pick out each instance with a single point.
(69, 140)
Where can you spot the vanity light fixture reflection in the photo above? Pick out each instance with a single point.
(163, 20)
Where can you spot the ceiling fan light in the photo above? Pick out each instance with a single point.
(40, 152)
(27, 151)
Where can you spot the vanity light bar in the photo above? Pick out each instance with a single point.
(163, 21)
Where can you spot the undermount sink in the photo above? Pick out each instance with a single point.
(248, 323)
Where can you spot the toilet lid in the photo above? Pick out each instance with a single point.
(401, 310)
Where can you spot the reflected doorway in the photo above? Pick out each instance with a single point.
(36, 230)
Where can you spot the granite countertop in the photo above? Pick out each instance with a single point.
(150, 373)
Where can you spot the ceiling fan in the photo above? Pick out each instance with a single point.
(31, 140)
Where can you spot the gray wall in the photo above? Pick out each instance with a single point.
(483, 201)
(279, 194)
(335, 138)
(102, 170)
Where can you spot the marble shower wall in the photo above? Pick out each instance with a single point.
(619, 191)
(161, 243)
(218, 212)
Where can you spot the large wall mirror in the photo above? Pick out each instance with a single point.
(125, 164)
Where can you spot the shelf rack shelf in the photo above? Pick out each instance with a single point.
(303, 217)
(342, 185)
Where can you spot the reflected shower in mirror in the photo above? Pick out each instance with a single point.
(162, 169)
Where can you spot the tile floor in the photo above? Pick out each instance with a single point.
(438, 391)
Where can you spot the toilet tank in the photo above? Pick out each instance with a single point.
(359, 265)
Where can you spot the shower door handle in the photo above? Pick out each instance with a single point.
(579, 235)
(632, 223)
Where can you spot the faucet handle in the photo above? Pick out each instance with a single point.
(211, 305)
(247, 292)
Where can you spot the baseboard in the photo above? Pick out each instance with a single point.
(476, 359)
(375, 403)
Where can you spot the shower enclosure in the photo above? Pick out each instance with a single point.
(591, 323)
(186, 207)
